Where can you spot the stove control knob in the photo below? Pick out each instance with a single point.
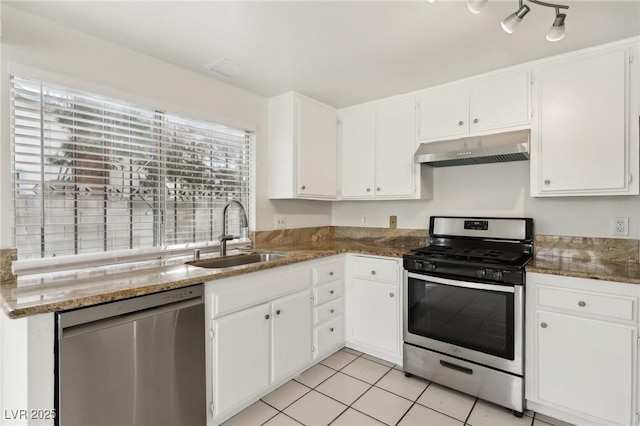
(497, 275)
(430, 266)
(481, 272)
(418, 265)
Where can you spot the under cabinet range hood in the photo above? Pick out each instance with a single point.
(495, 148)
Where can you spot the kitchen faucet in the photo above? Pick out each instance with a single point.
(224, 237)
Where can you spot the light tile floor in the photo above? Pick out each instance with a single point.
(354, 389)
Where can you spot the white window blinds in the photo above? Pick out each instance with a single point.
(92, 174)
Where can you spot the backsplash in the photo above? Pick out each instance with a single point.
(7, 256)
(395, 237)
(615, 250)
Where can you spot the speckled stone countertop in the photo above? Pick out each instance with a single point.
(601, 259)
(608, 259)
(43, 293)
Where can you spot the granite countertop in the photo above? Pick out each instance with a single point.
(44, 293)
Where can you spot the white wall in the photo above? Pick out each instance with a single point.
(500, 189)
(65, 56)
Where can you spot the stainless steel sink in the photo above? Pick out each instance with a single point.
(242, 259)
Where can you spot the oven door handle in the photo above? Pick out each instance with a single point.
(466, 284)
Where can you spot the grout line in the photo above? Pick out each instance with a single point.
(471, 411)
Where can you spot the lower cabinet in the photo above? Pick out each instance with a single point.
(328, 331)
(290, 334)
(374, 301)
(582, 349)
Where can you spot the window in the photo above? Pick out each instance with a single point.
(93, 174)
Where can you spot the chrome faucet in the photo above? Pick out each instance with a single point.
(224, 237)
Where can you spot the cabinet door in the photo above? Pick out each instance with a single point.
(499, 102)
(375, 315)
(443, 113)
(291, 333)
(317, 149)
(357, 131)
(585, 365)
(395, 146)
(240, 356)
(582, 112)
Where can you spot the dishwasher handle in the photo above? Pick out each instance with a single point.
(77, 330)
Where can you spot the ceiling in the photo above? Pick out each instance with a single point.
(340, 52)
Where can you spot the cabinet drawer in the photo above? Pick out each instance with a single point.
(376, 269)
(327, 292)
(602, 305)
(329, 335)
(327, 311)
(326, 273)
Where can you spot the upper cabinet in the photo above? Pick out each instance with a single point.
(586, 139)
(303, 148)
(501, 101)
(377, 144)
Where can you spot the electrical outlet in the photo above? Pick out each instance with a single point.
(621, 226)
(365, 220)
(281, 221)
(393, 222)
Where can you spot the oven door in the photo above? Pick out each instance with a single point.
(477, 322)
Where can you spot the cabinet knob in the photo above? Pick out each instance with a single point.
(373, 272)
(391, 294)
(331, 329)
(475, 121)
(368, 189)
(378, 189)
(278, 312)
(330, 291)
(303, 187)
(543, 324)
(547, 181)
(460, 123)
(266, 316)
(582, 303)
(331, 311)
(331, 273)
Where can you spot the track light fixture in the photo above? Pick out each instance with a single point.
(511, 22)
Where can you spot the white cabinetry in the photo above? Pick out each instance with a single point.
(501, 101)
(328, 282)
(582, 349)
(587, 135)
(261, 334)
(377, 144)
(374, 297)
(303, 147)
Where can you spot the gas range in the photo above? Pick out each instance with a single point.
(494, 250)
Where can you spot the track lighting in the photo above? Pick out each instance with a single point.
(511, 22)
(476, 5)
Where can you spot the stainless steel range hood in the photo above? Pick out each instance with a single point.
(495, 148)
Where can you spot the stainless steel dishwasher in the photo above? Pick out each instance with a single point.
(134, 362)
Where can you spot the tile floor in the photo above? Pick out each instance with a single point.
(354, 389)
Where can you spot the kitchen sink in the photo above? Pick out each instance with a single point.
(242, 259)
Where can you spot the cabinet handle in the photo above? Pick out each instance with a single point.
(266, 316)
(373, 272)
(368, 189)
(331, 329)
(278, 312)
(547, 181)
(475, 121)
(331, 273)
(582, 303)
(391, 295)
(543, 324)
(330, 291)
(460, 123)
(303, 187)
(331, 311)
